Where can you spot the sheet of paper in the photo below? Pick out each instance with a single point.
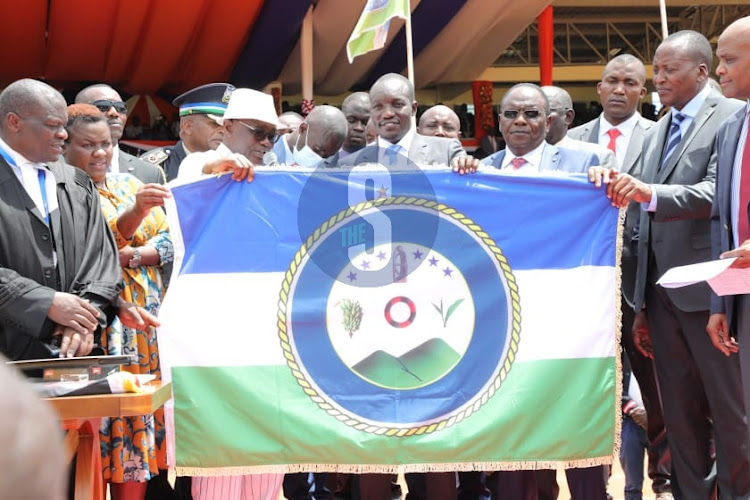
(680, 276)
(717, 273)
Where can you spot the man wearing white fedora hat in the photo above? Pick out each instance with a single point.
(251, 126)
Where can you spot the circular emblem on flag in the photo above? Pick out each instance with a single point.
(442, 332)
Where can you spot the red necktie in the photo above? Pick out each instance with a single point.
(743, 226)
(518, 162)
(613, 135)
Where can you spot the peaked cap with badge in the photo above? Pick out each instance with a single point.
(210, 100)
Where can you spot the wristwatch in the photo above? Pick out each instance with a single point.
(135, 260)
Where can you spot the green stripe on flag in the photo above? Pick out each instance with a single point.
(546, 410)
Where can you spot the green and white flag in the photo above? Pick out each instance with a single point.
(413, 321)
(371, 30)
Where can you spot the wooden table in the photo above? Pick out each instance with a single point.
(81, 415)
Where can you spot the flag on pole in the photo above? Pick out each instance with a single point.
(368, 322)
(371, 30)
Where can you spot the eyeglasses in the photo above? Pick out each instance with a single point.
(530, 114)
(261, 134)
(105, 104)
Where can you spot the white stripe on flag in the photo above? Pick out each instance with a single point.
(233, 317)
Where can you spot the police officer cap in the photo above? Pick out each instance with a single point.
(210, 99)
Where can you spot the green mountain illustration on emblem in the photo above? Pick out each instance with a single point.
(416, 368)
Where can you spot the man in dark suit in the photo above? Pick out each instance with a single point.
(730, 231)
(356, 109)
(622, 129)
(111, 104)
(524, 121)
(200, 112)
(700, 388)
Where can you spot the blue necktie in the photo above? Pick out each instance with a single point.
(674, 136)
(392, 153)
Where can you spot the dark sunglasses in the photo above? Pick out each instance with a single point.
(262, 134)
(531, 114)
(105, 104)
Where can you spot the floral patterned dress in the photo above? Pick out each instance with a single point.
(134, 448)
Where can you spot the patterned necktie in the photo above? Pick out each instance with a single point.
(674, 136)
(743, 225)
(392, 153)
(613, 135)
(518, 162)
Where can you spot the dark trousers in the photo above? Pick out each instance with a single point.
(585, 483)
(433, 485)
(702, 397)
(306, 486)
(659, 460)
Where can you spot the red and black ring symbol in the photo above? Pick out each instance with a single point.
(400, 300)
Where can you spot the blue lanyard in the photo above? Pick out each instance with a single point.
(40, 175)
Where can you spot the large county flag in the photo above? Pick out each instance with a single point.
(367, 321)
(371, 29)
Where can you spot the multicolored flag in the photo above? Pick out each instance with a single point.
(371, 30)
(372, 321)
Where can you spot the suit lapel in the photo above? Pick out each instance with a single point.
(550, 158)
(706, 110)
(593, 132)
(726, 161)
(634, 148)
(417, 151)
(9, 175)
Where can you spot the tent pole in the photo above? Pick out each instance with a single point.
(306, 62)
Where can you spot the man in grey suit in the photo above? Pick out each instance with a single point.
(524, 122)
(111, 104)
(730, 231)
(622, 129)
(392, 106)
(700, 388)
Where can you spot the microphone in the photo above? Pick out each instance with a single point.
(270, 159)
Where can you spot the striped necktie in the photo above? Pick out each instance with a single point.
(674, 136)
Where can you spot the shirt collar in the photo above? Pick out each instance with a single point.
(694, 105)
(405, 141)
(533, 157)
(626, 128)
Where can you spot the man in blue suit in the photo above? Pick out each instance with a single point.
(524, 120)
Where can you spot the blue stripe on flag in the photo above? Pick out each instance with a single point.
(257, 227)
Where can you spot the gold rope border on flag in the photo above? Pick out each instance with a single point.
(384, 430)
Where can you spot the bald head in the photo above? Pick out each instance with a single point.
(323, 131)
(356, 109)
(681, 64)
(440, 121)
(291, 121)
(32, 120)
(105, 98)
(561, 113)
(733, 51)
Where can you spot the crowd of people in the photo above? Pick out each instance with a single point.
(85, 252)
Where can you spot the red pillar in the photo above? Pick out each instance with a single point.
(546, 40)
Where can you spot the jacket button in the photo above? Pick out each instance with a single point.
(45, 237)
(47, 274)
